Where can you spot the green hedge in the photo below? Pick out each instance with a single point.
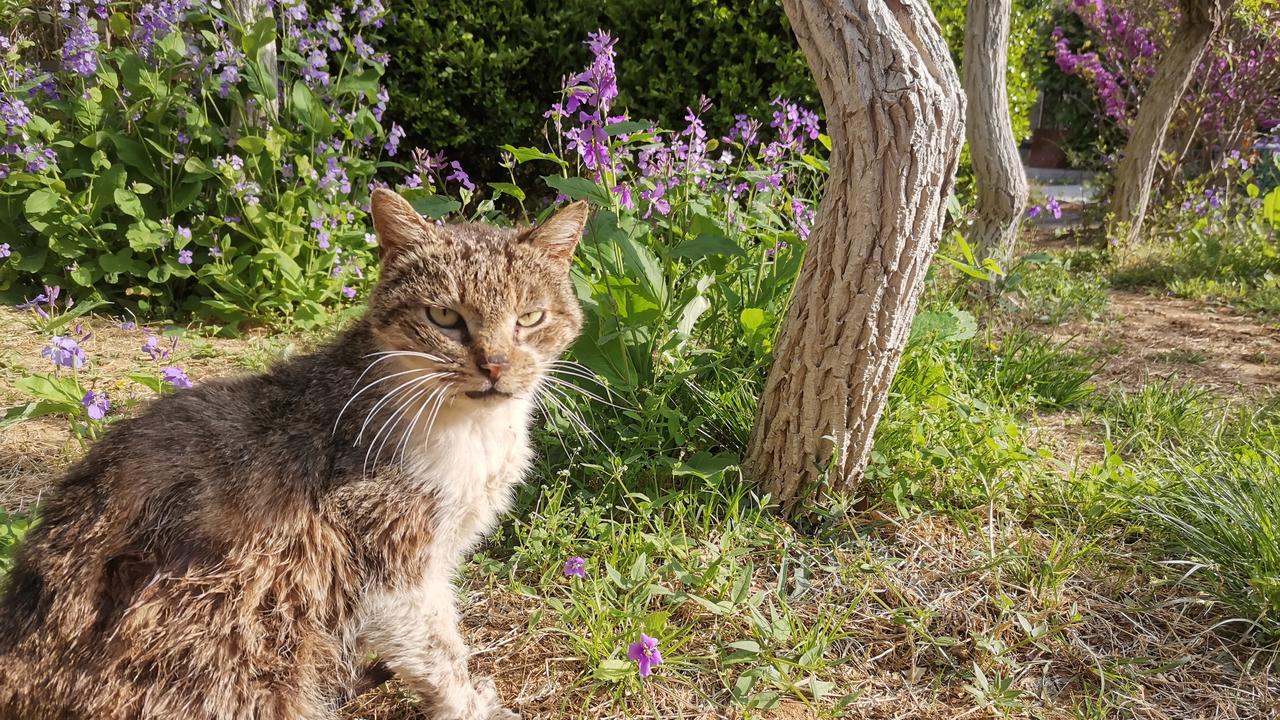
(469, 75)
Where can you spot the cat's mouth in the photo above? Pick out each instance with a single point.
(490, 393)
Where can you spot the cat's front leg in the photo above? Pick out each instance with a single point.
(416, 634)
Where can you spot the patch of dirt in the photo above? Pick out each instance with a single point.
(1153, 336)
(34, 453)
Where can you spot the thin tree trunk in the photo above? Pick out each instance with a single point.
(1134, 176)
(247, 13)
(1001, 180)
(895, 114)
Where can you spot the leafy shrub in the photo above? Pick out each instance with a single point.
(158, 165)
(471, 76)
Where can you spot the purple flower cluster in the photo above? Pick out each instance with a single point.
(80, 48)
(155, 20)
(175, 377)
(1236, 86)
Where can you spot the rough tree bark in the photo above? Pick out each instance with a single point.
(895, 116)
(1002, 183)
(1200, 19)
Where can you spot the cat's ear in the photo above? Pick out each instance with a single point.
(396, 223)
(559, 235)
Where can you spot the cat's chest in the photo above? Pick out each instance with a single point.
(470, 464)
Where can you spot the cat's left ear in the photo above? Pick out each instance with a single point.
(559, 235)
(395, 221)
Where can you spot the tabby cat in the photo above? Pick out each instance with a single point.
(253, 548)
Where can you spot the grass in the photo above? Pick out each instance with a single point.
(989, 571)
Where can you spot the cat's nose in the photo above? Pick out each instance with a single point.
(495, 365)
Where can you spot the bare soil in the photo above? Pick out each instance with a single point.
(1149, 336)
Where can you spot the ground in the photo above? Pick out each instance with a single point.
(898, 615)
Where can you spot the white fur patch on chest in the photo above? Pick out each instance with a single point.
(472, 460)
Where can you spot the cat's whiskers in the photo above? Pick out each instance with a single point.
(365, 389)
(401, 408)
(561, 382)
(562, 401)
(436, 398)
(401, 388)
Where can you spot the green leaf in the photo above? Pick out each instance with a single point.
(252, 144)
(577, 188)
(707, 244)
(120, 24)
(613, 670)
(526, 154)
(129, 203)
(120, 262)
(81, 308)
(508, 189)
(32, 410)
(435, 206)
(952, 325)
(627, 128)
(752, 319)
(705, 465)
(259, 36)
(308, 108)
(40, 202)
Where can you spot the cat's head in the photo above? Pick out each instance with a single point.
(480, 309)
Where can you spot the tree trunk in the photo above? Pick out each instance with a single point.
(247, 13)
(895, 116)
(1200, 19)
(1002, 183)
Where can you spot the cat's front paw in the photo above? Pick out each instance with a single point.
(488, 700)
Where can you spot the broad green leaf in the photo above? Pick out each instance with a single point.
(435, 206)
(577, 188)
(261, 34)
(614, 670)
(526, 154)
(40, 202)
(752, 319)
(707, 244)
(129, 203)
(508, 189)
(627, 128)
(252, 144)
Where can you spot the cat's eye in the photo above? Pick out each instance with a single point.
(530, 319)
(444, 317)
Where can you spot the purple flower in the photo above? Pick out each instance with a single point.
(97, 404)
(4, 250)
(646, 654)
(151, 346)
(1054, 208)
(575, 567)
(215, 252)
(175, 377)
(393, 139)
(184, 257)
(350, 292)
(460, 176)
(1034, 211)
(183, 232)
(80, 50)
(14, 113)
(65, 352)
(128, 326)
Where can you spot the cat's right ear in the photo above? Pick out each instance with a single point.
(395, 221)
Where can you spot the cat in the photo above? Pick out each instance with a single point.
(251, 548)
